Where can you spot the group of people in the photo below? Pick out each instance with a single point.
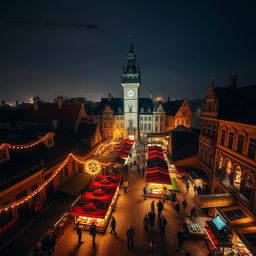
(92, 232)
(46, 246)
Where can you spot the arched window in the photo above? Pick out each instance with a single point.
(228, 171)
(130, 108)
(248, 187)
(237, 176)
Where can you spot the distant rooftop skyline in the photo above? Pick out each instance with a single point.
(180, 47)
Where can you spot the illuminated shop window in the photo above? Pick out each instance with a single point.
(237, 176)
(228, 171)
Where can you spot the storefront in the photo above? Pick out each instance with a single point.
(158, 178)
(243, 230)
(231, 222)
(97, 202)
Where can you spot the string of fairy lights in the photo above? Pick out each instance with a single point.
(92, 167)
(28, 145)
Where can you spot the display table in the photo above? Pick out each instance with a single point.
(196, 226)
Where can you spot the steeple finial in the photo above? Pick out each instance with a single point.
(130, 36)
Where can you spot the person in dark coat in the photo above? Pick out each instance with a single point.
(145, 192)
(51, 242)
(113, 226)
(160, 208)
(152, 217)
(79, 233)
(93, 232)
(184, 205)
(181, 238)
(177, 208)
(130, 234)
(162, 224)
(146, 223)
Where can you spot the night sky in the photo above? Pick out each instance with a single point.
(180, 47)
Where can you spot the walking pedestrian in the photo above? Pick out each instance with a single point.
(181, 238)
(193, 212)
(93, 232)
(152, 246)
(184, 205)
(177, 208)
(130, 234)
(145, 192)
(152, 217)
(113, 226)
(51, 242)
(79, 233)
(160, 208)
(146, 223)
(195, 189)
(187, 186)
(152, 206)
(125, 186)
(173, 197)
(162, 223)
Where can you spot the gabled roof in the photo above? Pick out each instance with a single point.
(47, 112)
(116, 104)
(23, 163)
(237, 104)
(145, 106)
(87, 130)
(172, 107)
(184, 142)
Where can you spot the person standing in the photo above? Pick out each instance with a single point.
(177, 208)
(51, 242)
(173, 197)
(195, 189)
(181, 238)
(184, 205)
(187, 186)
(125, 186)
(146, 223)
(152, 206)
(152, 217)
(145, 192)
(93, 232)
(130, 234)
(193, 212)
(152, 246)
(162, 223)
(79, 233)
(160, 208)
(113, 226)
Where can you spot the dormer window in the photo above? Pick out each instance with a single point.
(4, 154)
(49, 141)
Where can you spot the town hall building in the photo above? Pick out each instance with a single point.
(132, 116)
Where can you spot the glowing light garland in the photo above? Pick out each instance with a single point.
(88, 163)
(28, 145)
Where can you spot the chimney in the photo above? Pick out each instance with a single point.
(109, 96)
(232, 82)
(35, 103)
(2, 103)
(55, 124)
(60, 101)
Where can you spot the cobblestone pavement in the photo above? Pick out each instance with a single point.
(130, 209)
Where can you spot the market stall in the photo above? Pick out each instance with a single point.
(157, 176)
(123, 148)
(97, 202)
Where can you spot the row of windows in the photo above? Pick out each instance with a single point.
(206, 156)
(157, 118)
(119, 125)
(145, 127)
(209, 129)
(182, 121)
(119, 118)
(240, 145)
(232, 174)
(159, 129)
(145, 118)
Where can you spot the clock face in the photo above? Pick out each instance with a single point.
(130, 93)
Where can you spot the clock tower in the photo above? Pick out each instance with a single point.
(131, 84)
